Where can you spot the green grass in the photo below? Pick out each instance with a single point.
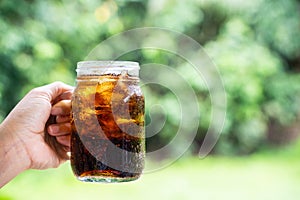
(273, 175)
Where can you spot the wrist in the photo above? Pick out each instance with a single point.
(13, 156)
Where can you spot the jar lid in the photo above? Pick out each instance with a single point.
(107, 67)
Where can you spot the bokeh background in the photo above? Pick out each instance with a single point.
(256, 47)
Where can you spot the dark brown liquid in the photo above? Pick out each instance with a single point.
(107, 138)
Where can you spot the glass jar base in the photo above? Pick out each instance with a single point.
(105, 179)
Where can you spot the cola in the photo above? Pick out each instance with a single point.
(107, 121)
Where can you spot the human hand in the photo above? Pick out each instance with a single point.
(57, 129)
(23, 129)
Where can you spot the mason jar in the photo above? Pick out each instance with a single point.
(107, 120)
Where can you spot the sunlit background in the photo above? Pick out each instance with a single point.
(256, 47)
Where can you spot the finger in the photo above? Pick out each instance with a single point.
(55, 89)
(63, 107)
(65, 95)
(60, 148)
(59, 129)
(64, 140)
(62, 118)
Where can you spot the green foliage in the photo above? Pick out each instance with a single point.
(259, 88)
(255, 44)
(10, 86)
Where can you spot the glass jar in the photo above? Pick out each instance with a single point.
(107, 120)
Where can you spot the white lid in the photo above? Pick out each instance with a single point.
(107, 67)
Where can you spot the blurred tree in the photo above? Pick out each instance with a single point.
(255, 44)
(11, 84)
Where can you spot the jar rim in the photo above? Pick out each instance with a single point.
(100, 67)
(107, 63)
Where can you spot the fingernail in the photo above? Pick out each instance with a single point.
(53, 129)
(56, 111)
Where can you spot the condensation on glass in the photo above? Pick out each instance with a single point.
(107, 120)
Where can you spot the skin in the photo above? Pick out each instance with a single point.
(22, 144)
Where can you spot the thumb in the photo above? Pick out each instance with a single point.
(55, 89)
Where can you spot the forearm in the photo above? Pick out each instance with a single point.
(13, 159)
